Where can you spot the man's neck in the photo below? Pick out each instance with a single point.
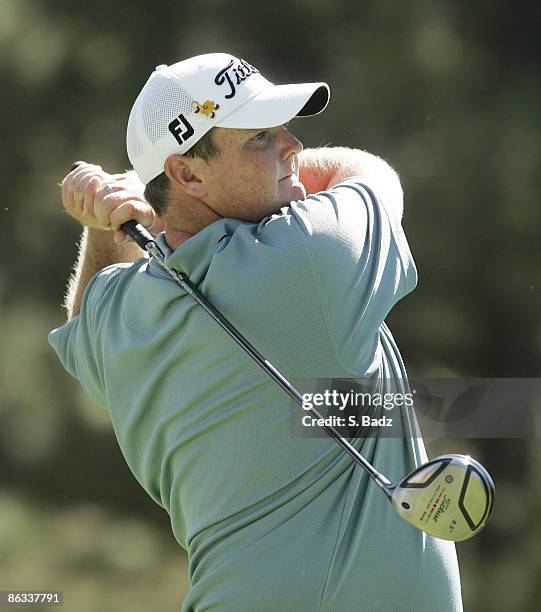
(175, 238)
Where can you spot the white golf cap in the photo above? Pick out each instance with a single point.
(179, 104)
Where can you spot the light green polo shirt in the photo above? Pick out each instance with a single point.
(271, 521)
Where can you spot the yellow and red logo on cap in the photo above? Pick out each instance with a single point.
(208, 108)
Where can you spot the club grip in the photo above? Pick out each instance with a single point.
(135, 230)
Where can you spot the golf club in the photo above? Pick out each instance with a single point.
(450, 497)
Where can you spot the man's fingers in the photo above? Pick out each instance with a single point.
(114, 207)
(105, 190)
(89, 185)
(79, 188)
(104, 205)
(80, 171)
(129, 210)
(121, 236)
(98, 199)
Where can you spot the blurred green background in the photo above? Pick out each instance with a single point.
(448, 92)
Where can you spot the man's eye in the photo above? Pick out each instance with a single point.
(261, 136)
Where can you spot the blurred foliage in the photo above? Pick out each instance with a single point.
(448, 92)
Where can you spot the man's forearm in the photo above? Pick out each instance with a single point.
(321, 169)
(97, 250)
(102, 203)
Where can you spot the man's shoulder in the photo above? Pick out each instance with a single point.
(335, 210)
(348, 208)
(352, 190)
(108, 278)
(123, 269)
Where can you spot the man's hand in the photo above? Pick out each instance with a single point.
(105, 201)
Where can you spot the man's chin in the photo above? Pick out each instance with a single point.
(295, 191)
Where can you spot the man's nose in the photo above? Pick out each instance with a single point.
(292, 145)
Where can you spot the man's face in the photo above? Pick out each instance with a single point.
(255, 173)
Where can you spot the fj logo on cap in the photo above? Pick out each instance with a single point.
(208, 108)
(181, 129)
(238, 73)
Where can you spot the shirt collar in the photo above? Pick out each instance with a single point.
(194, 256)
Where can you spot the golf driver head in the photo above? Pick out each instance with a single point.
(450, 497)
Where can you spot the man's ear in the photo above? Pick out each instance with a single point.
(182, 172)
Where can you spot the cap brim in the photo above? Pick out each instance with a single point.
(277, 104)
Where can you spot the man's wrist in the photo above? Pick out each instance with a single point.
(100, 244)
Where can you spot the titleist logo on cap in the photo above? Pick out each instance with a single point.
(240, 73)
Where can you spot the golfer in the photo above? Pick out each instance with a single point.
(304, 252)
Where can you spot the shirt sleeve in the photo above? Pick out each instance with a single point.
(361, 260)
(76, 343)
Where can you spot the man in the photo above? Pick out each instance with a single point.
(270, 520)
